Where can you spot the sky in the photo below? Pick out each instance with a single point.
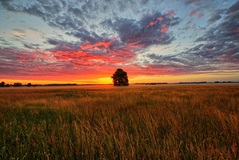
(85, 41)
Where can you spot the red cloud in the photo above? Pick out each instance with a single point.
(235, 30)
(229, 58)
(192, 13)
(164, 28)
(152, 23)
(87, 57)
(98, 44)
(199, 15)
(170, 14)
(38, 56)
(160, 18)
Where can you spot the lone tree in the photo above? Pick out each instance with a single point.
(120, 78)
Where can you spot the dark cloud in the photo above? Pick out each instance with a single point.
(215, 16)
(75, 11)
(93, 49)
(53, 12)
(19, 30)
(7, 5)
(233, 8)
(202, 58)
(143, 2)
(9, 61)
(25, 63)
(210, 56)
(133, 36)
(150, 30)
(117, 40)
(53, 42)
(61, 45)
(214, 52)
(188, 2)
(31, 46)
(85, 35)
(226, 31)
(73, 18)
(219, 49)
(4, 42)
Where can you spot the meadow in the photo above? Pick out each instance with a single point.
(135, 122)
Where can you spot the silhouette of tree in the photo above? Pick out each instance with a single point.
(17, 84)
(29, 85)
(2, 84)
(120, 78)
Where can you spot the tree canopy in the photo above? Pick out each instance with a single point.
(2, 84)
(120, 78)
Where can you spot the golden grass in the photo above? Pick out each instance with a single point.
(145, 122)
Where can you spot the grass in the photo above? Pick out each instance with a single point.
(147, 122)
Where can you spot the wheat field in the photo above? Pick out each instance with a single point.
(135, 122)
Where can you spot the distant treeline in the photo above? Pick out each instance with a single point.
(202, 82)
(192, 82)
(69, 84)
(207, 82)
(153, 83)
(17, 84)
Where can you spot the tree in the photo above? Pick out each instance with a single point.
(2, 84)
(17, 84)
(120, 78)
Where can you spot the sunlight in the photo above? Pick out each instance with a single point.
(105, 80)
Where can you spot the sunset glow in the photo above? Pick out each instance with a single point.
(85, 42)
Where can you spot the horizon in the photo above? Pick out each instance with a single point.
(153, 41)
(136, 83)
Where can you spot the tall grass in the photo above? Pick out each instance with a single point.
(147, 122)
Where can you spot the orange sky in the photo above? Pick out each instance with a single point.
(105, 79)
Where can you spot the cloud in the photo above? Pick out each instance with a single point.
(53, 12)
(149, 30)
(126, 37)
(199, 15)
(7, 5)
(31, 46)
(234, 8)
(218, 49)
(226, 31)
(215, 16)
(61, 45)
(36, 63)
(188, 2)
(110, 34)
(19, 33)
(133, 35)
(4, 42)
(65, 57)
(76, 21)
(113, 49)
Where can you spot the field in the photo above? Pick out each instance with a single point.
(135, 122)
